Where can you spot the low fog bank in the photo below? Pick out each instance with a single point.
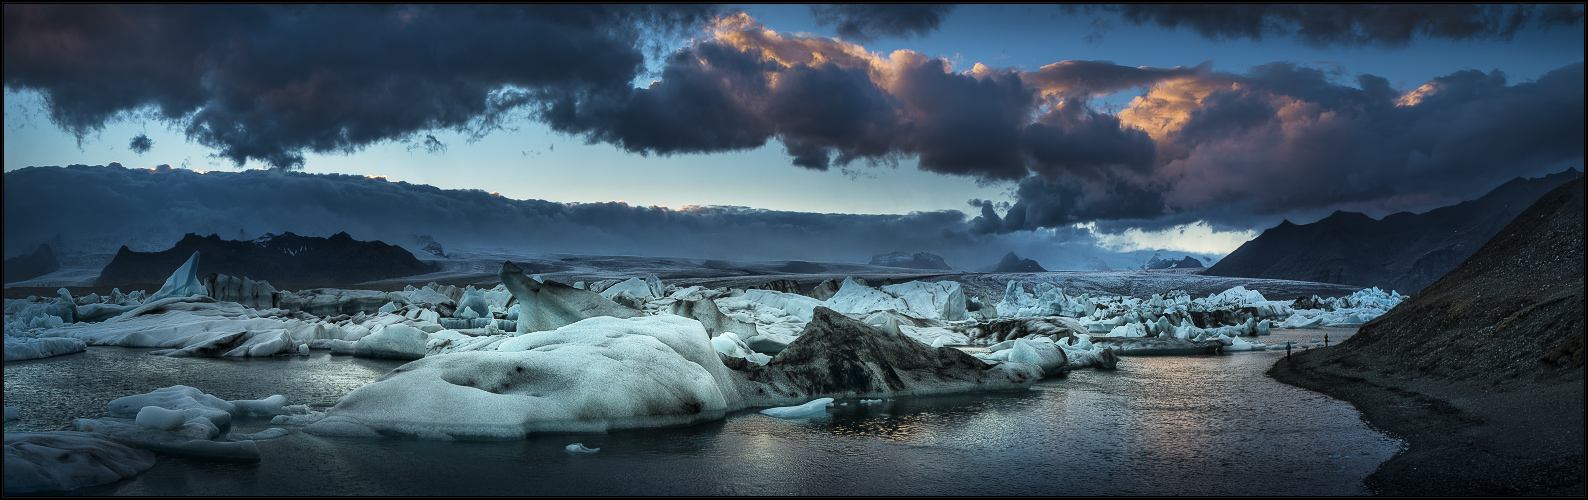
(84, 210)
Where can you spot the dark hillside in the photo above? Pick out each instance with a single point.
(1402, 251)
(1482, 370)
(287, 258)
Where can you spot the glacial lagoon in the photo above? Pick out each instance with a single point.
(1167, 425)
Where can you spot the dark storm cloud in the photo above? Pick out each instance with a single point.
(1351, 24)
(1072, 139)
(831, 102)
(267, 83)
(1043, 203)
(140, 144)
(865, 23)
(1285, 139)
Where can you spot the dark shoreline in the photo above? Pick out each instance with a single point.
(1519, 437)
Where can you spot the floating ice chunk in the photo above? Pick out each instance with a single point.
(205, 414)
(67, 460)
(155, 417)
(870, 401)
(634, 287)
(274, 405)
(12, 414)
(197, 326)
(397, 341)
(729, 344)
(815, 406)
(473, 305)
(1043, 354)
(299, 420)
(799, 306)
(943, 300)
(550, 305)
(182, 283)
(100, 312)
(271, 433)
(579, 448)
(20, 348)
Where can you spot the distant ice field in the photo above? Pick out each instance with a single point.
(479, 267)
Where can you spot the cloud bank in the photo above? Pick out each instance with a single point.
(1350, 25)
(266, 83)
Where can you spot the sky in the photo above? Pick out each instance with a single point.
(1122, 127)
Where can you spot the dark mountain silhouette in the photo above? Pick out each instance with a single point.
(1188, 262)
(27, 266)
(287, 258)
(1402, 251)
(1014, 264)
(920, 260)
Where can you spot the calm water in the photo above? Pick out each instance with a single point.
(1209, 425)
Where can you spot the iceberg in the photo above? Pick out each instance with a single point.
(595, 375)
(580, 448)
(399, 341)
(838, 356)
(197, 326)
(20, 348)
(795, 305)
(182, 420)
(815, 406)
(182, 283)
(552, 305)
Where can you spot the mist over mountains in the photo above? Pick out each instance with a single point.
(92, 209)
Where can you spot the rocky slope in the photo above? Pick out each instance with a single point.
(1483, 370)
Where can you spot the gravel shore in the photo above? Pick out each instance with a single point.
(1520, 436)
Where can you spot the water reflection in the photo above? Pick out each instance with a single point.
(1156, 426)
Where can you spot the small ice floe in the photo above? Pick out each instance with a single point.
(271, 433)
(871, 401)
(12, 414)
(807, 409)
(580, 448)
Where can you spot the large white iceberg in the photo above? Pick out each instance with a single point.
(595, 375)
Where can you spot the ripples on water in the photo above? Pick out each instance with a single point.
(1211, 425)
